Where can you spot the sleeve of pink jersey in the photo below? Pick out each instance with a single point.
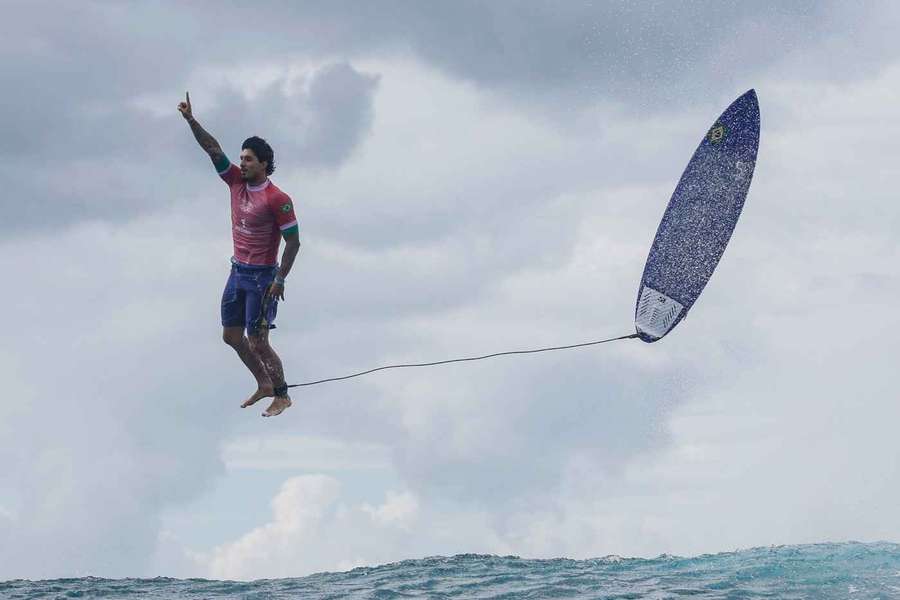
(231, 175)
(283, 209)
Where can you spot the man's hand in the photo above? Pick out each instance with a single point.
(206, 141)
(185, 107)
(276, 290)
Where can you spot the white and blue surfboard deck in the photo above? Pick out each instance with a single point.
(699, 220)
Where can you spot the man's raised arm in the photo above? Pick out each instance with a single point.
(206, 141)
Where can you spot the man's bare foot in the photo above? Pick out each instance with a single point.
(278, 405)
(264, 391)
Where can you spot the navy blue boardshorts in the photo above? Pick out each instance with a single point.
(243, 297)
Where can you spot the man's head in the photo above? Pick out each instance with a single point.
(257, 159)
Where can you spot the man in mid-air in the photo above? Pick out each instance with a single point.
(260, 215)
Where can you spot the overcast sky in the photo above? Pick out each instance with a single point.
(470, 177)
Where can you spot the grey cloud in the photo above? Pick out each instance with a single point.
(318, 123)
(105, 427)
(73, 148)
(68, 72)
(644, 54)
(116, 162)
(108, 447)
(340, 113)
(533, 417)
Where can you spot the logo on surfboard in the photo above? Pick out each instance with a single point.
(716, 134)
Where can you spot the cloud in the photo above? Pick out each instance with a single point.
(106, 429)
(82, 75)
(579, 54)
(124, 157)
(317, 118)
(279, 452)
(311, 530)
(786, 446)
(398, 508)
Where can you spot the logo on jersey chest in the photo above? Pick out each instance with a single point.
(251, 207)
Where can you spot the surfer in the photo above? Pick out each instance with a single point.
(260, 215)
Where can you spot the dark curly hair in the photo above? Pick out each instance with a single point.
(262, 150)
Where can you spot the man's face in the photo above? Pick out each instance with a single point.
(251, 168)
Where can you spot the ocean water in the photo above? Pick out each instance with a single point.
(819, 571)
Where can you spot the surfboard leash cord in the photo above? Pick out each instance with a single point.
(465, 359)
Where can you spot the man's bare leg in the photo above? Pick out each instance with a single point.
(259, 343)
(234, 337)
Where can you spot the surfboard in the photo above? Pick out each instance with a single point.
(699, 220)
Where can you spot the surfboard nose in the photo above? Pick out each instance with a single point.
(747, 103)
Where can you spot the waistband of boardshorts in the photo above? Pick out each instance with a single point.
(236, 263)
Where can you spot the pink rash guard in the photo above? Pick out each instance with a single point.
(259, 215)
